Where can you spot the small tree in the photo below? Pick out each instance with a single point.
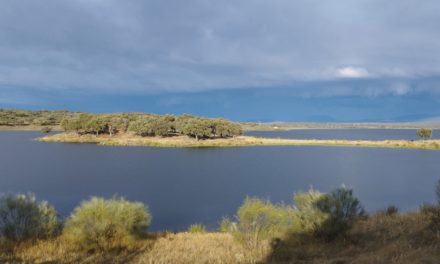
(117, 124)
(424, 133)
(142, 127)
(197, 128)
(163, 126)
(96, 125)
(224, 128)
(342, 208)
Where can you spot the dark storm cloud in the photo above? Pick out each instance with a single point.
(107, 46)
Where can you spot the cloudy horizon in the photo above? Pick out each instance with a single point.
(381, 57)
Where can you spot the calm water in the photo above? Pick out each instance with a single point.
(366, 134)
(184, 186)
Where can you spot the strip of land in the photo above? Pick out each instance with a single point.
(239, 141)
(285, 126)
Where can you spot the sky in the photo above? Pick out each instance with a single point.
(248, 60)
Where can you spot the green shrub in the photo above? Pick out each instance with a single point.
(260, 219)
(322, 215)
(310, 217)
(22, 218)
(227, 225)
(197, 228)
(100, 224)
(342, 208)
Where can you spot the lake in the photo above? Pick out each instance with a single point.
(187, 185)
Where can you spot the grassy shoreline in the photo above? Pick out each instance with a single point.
(239, 141)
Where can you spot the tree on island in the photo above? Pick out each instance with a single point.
(424, 133)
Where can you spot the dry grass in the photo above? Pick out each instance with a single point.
(60, 251)
(169, 248)
(201, 248)
(404, 239)
(378, 239)
(184, 141)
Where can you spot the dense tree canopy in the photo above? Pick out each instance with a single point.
(151, 125)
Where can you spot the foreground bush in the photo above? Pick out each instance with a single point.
(317, 214)
(100, 224)
(342, 207)
(259, 219)
(310, 217)
(22, 218)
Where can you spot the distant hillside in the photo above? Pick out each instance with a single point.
(29, 118)
(17, 117)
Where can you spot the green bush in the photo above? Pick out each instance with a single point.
(310, 217)
(322, 215)
(260, 219)
(342, 208)
(227, 226)
(197, 228)
(100, 224)
(22, 218)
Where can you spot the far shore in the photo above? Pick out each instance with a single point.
(277, 127)
(306, 126)
(28, 128)
(239, 141)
